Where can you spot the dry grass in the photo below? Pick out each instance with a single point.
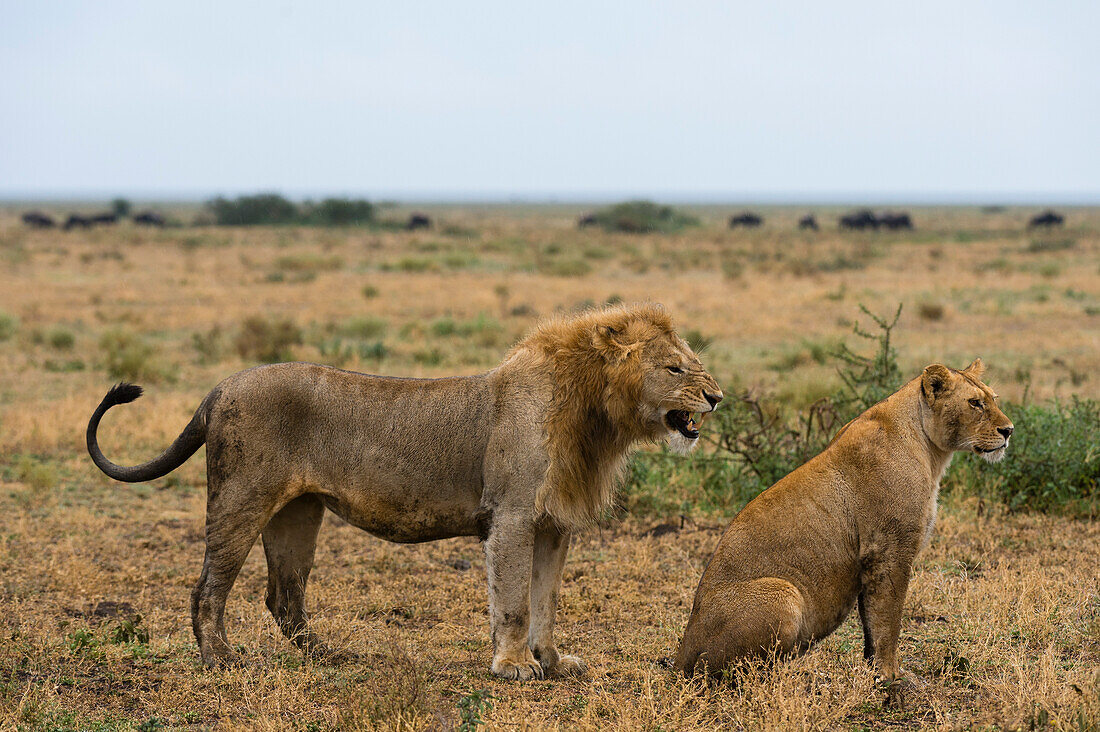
(1003, 618)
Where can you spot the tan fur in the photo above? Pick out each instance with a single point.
(842, 529)
(520, 455)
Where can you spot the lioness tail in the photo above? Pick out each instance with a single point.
(190, 440)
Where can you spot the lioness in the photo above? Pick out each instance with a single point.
(520, 456)
(844, 527)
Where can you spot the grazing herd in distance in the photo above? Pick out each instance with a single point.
(859, 220)
(39, 220)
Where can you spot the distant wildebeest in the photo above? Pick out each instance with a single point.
(808, 222)
(76, 221)
(587, 220)
(1047, 218)
(895, 220)
(418, 221)
(862, 219)
(38, 220)
(149, 218)
(748, 220)
(104, 218)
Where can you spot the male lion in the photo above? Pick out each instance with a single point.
(520, 456)
(845, 526)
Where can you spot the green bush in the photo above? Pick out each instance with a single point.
(641, 217)
(8, 325)
(264, 208)
(365, 328)
(61, 338)
(271, 208)
(339, 212)
(269, 341)
(120, 207)
(131, 357)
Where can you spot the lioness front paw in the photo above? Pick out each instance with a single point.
(898, 689)
(522, 669)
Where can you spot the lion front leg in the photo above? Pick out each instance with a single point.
(508, 550)
(551, 546)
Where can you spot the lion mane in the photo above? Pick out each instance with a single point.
(597, 365)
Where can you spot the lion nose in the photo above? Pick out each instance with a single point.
(712, 399)
(1006, 432)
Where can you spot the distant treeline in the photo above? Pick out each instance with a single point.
(271, 208)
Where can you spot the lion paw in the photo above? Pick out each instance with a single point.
(518, 670)
(223, 659)
(571, 666)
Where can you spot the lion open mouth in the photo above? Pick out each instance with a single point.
(684, 423)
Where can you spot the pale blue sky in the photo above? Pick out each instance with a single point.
(807, 101)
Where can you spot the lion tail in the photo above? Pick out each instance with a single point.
(190, 440)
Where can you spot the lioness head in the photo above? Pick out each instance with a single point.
(963, 414)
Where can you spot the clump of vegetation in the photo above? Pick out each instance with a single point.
(269, 341)
(410, 264)
(472, 706)
(338, 212)
(121, 207)
(308, 262)
(129, 630)
(38, 475)
(9, 324)
(564, 267)
(364, 328)
(483, 330)
(263, 208)
(273, 209)
(209, 345)
(132, 357)
(1041, 246)
(932, 311)
(61, 338)
(642, 217)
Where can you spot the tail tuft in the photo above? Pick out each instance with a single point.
(122, 393)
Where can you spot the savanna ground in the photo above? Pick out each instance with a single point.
(1002, 623)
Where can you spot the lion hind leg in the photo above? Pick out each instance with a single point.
(235, 513)
(750, 619)
(290, 543)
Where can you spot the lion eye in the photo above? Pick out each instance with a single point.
(675, 369)
(977, 404)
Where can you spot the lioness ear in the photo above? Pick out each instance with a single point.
(934, 381)
(976, 369)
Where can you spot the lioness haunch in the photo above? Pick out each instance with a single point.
(519, 456)
(843, 528)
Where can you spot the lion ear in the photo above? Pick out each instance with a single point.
(934, 381)
(611, 343)
(975, 369)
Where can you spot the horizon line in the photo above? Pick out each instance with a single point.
(578, 198)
